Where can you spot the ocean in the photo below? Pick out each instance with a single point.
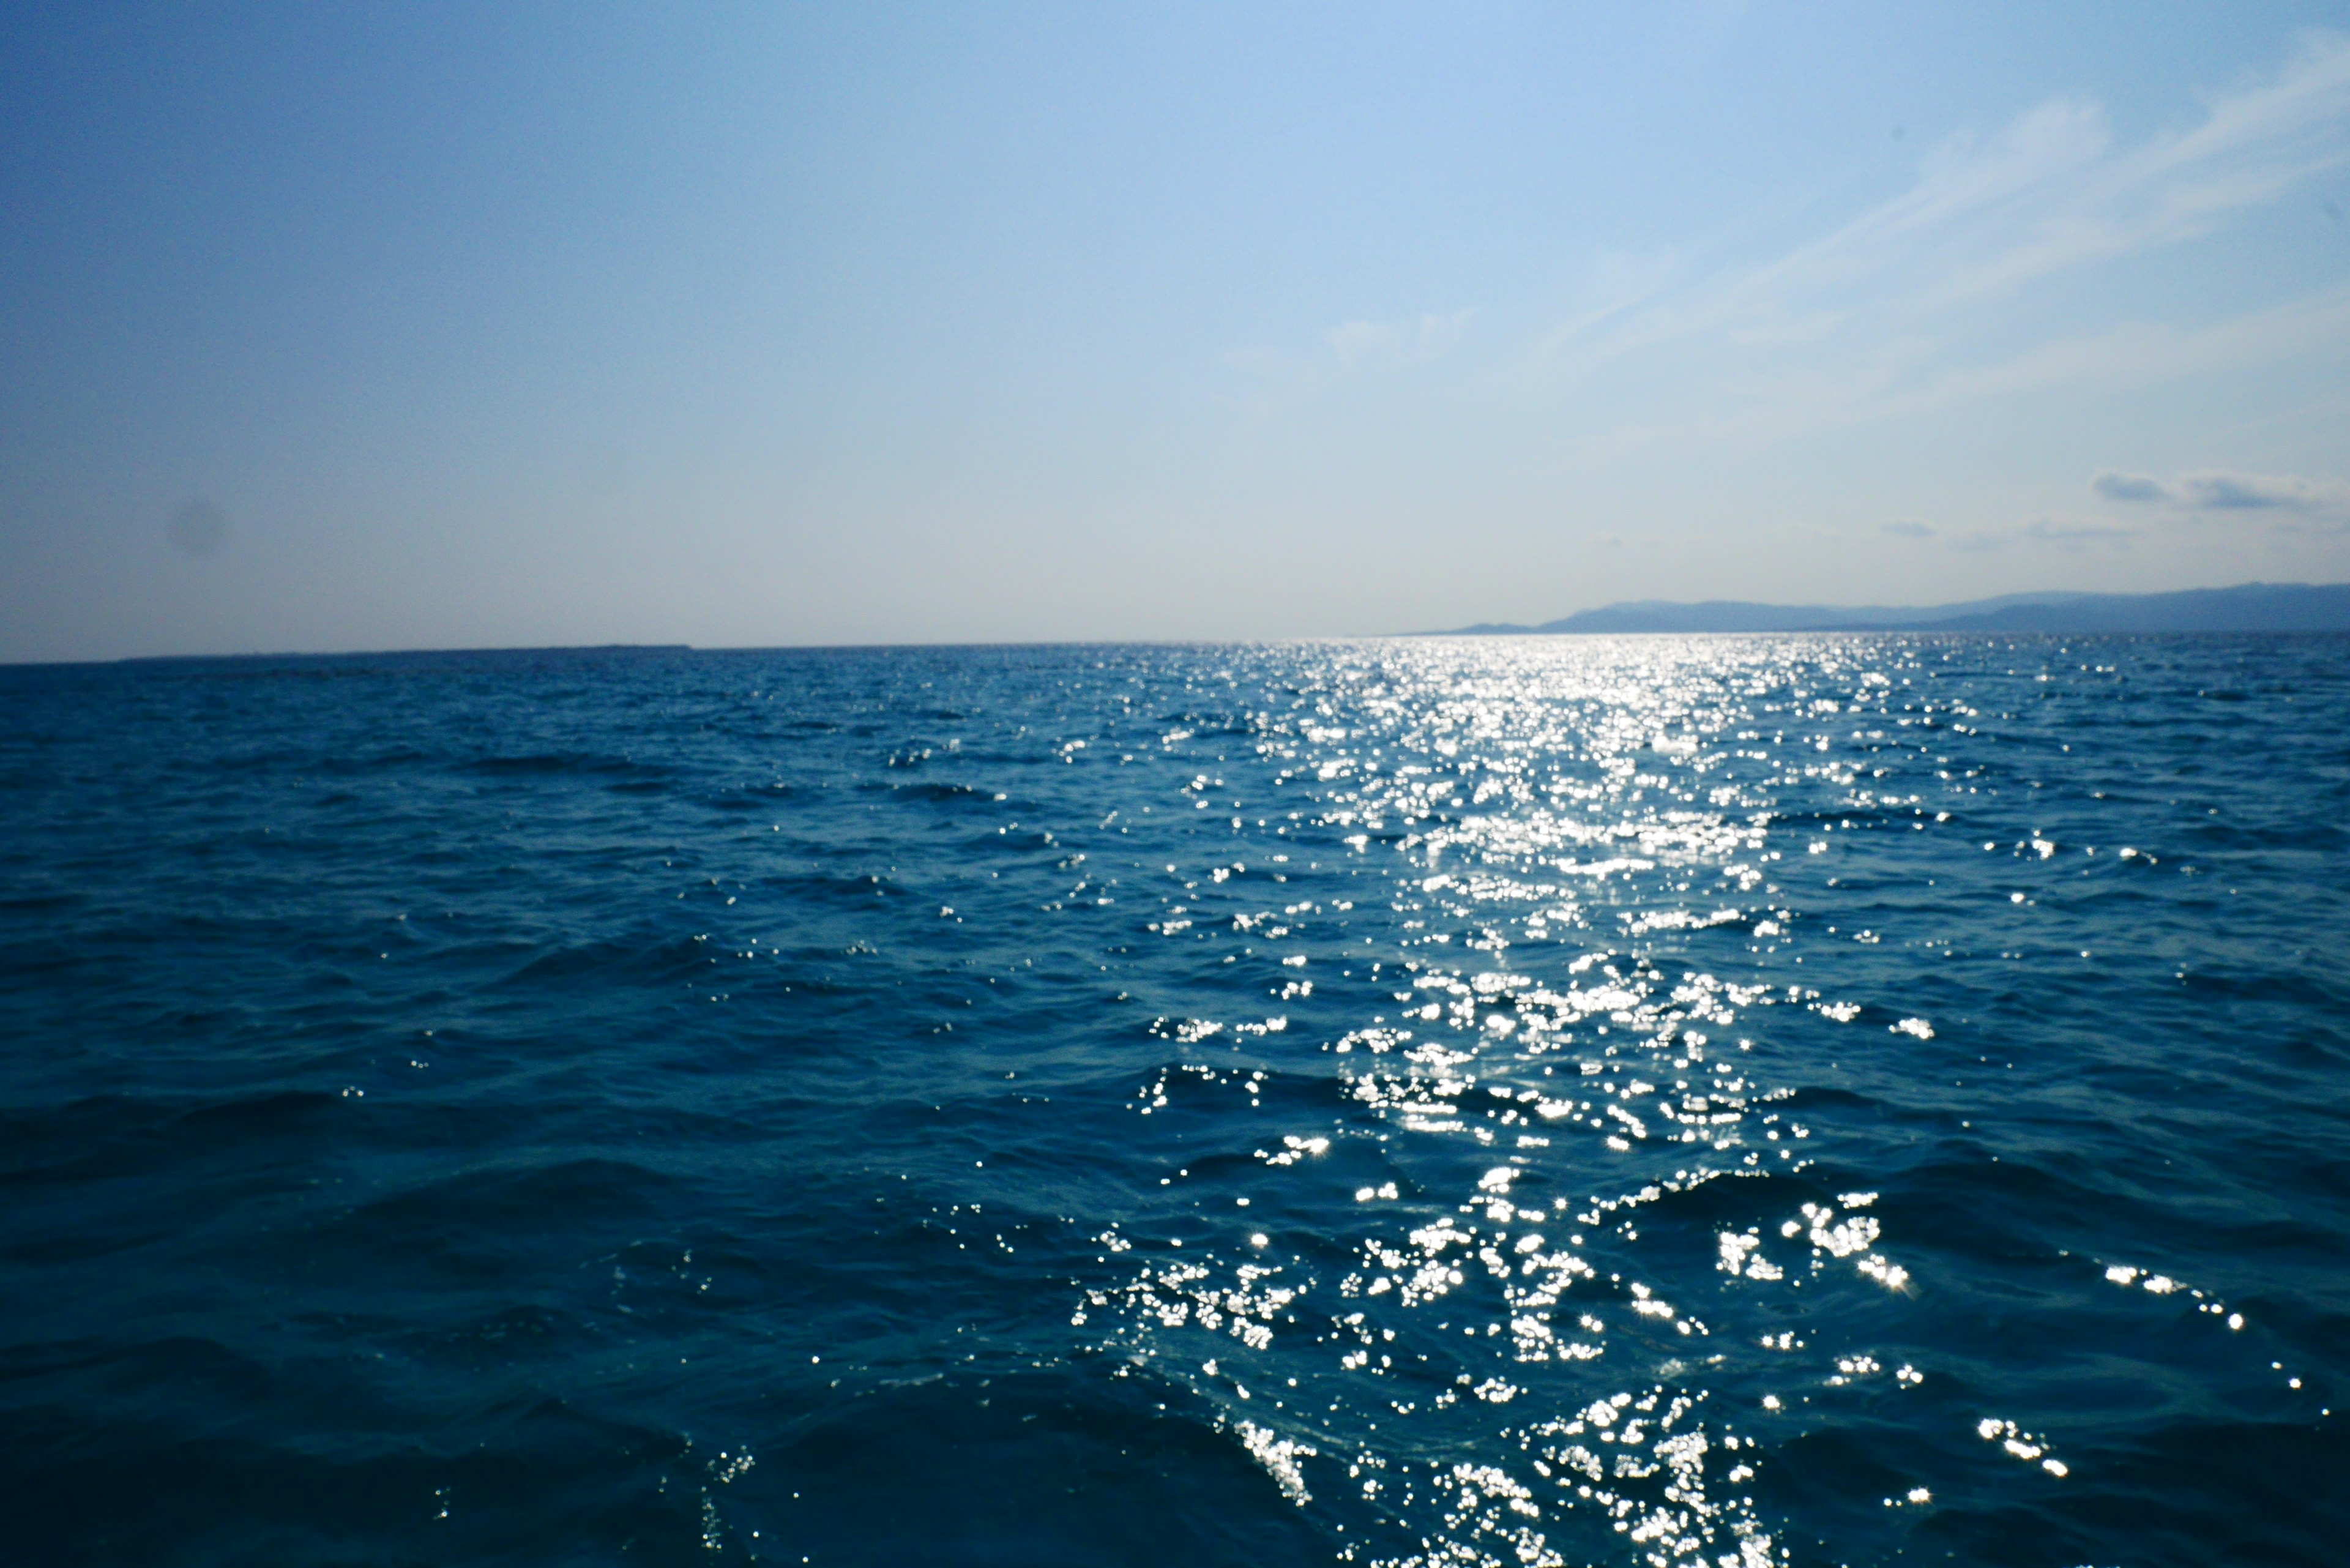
(1739, 1101)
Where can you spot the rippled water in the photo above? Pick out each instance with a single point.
(1646, 1101)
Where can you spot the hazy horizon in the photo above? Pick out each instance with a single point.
(1473, 630)
(334, 330)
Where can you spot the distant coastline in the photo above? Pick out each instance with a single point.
(2249, 606)
(394, 653)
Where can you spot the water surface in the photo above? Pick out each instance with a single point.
(1739, 1101)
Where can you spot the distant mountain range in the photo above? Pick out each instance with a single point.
(2251, 606)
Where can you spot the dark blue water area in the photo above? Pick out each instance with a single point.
(1712, 1101)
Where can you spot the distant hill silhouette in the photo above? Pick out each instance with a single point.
(2251, 606)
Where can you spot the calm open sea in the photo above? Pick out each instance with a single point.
(1709, 1101)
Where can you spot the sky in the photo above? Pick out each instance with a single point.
(370, 326)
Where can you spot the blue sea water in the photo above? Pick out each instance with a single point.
(1709, 1101)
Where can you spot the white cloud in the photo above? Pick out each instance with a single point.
(2060, 532)
(1910, 377)
(1885, 314)
(1349, 349)
(1359, 342)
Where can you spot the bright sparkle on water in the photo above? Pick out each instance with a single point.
(1491, 1349)
(1422, 1102)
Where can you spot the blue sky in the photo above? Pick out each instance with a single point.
(346, 327)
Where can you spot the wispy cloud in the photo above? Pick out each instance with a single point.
(1906, 528)
(1361, 342)
(1913, 376)
(1883, 315)
(2115, 486)
(1350, 349)
(2055, 531)
(2218, 490)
